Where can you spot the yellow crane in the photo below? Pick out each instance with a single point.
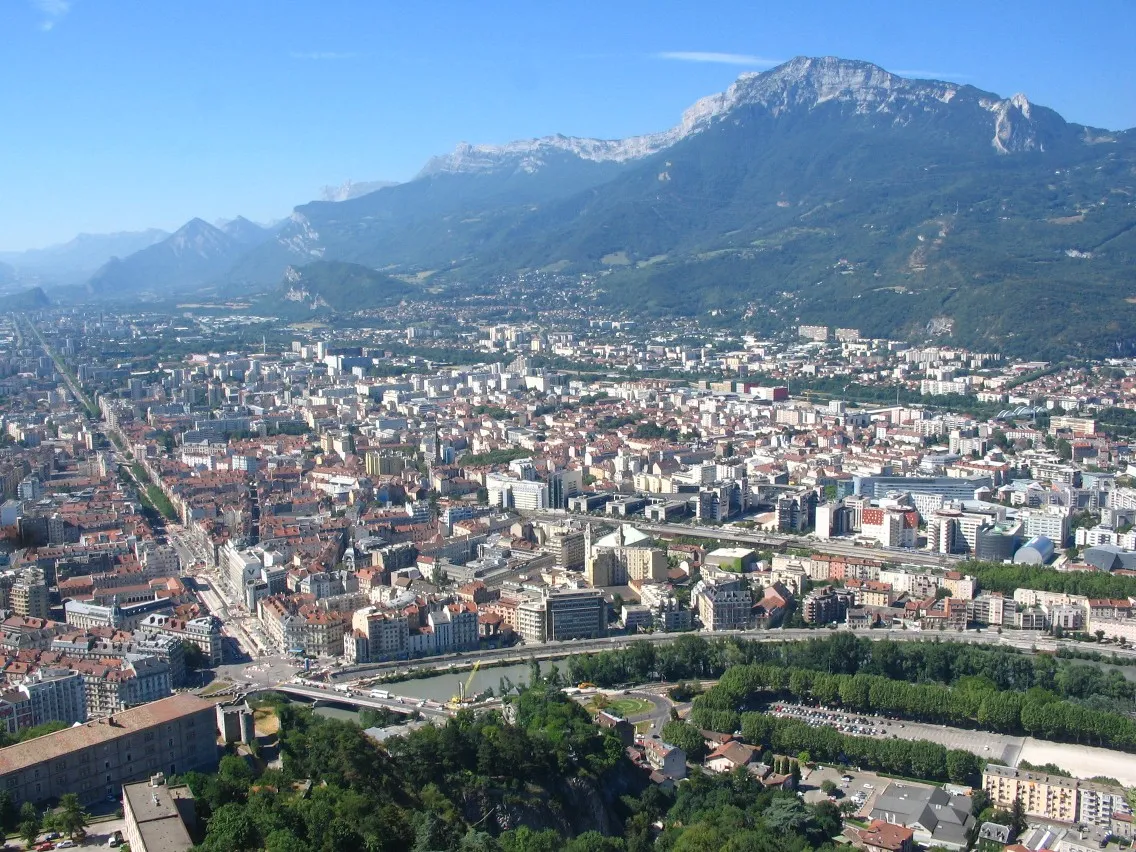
(463, 696)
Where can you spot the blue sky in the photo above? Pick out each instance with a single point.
(121, 115)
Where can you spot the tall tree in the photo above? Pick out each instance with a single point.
(9, 816)
(69, 816)
(1017, 818)
(31, 823)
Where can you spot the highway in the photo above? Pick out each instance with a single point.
(61, 368)
(764, 540)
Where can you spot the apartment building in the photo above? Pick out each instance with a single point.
(1097, 804)
(93, 760)
(28, 595)
(509, 493)
(384, 633)
(47, 695)
(891, 527)
(1046, 796)
(204, 632)
(567, 548)
(725, 606)
(991, 608)
(531, 620)
(293, 623)
(824, 606)
(1055, 798)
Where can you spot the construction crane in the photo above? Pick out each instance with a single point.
(463, 696)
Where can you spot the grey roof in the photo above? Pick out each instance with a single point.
(947, 818)
(157, 816)
(994, 831)
(1109, 557)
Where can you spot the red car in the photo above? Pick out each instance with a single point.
(45, 846)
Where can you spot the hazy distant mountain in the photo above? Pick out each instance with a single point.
(76, 259)
(244, 231)
(351, 189)
(193, 255)
(25, 300)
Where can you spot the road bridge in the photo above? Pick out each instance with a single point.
(315, 694)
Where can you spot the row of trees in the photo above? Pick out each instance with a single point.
(996, 577)
(692, 657)
(29, 822)
(909, 758)
(973, 700)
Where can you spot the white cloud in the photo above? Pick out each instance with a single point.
(53, 12)
(719, 58)
(317, 55)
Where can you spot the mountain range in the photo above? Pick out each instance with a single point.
(74, 261)
(822, 191)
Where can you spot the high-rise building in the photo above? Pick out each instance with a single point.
(28, 595)
(561, 614)
(562, 486)
(576, 614)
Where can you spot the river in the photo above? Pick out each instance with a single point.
(444, 687)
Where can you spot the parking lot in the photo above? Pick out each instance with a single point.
(97, 836)
(861, 788)
(998, 748)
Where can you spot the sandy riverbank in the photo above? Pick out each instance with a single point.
(1081, 761)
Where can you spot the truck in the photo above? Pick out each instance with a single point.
(380, 693)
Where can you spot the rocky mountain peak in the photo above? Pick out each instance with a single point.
(802, 83)
(198, 237)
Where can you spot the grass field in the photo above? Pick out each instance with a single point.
(626, 706)
(266, 721)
